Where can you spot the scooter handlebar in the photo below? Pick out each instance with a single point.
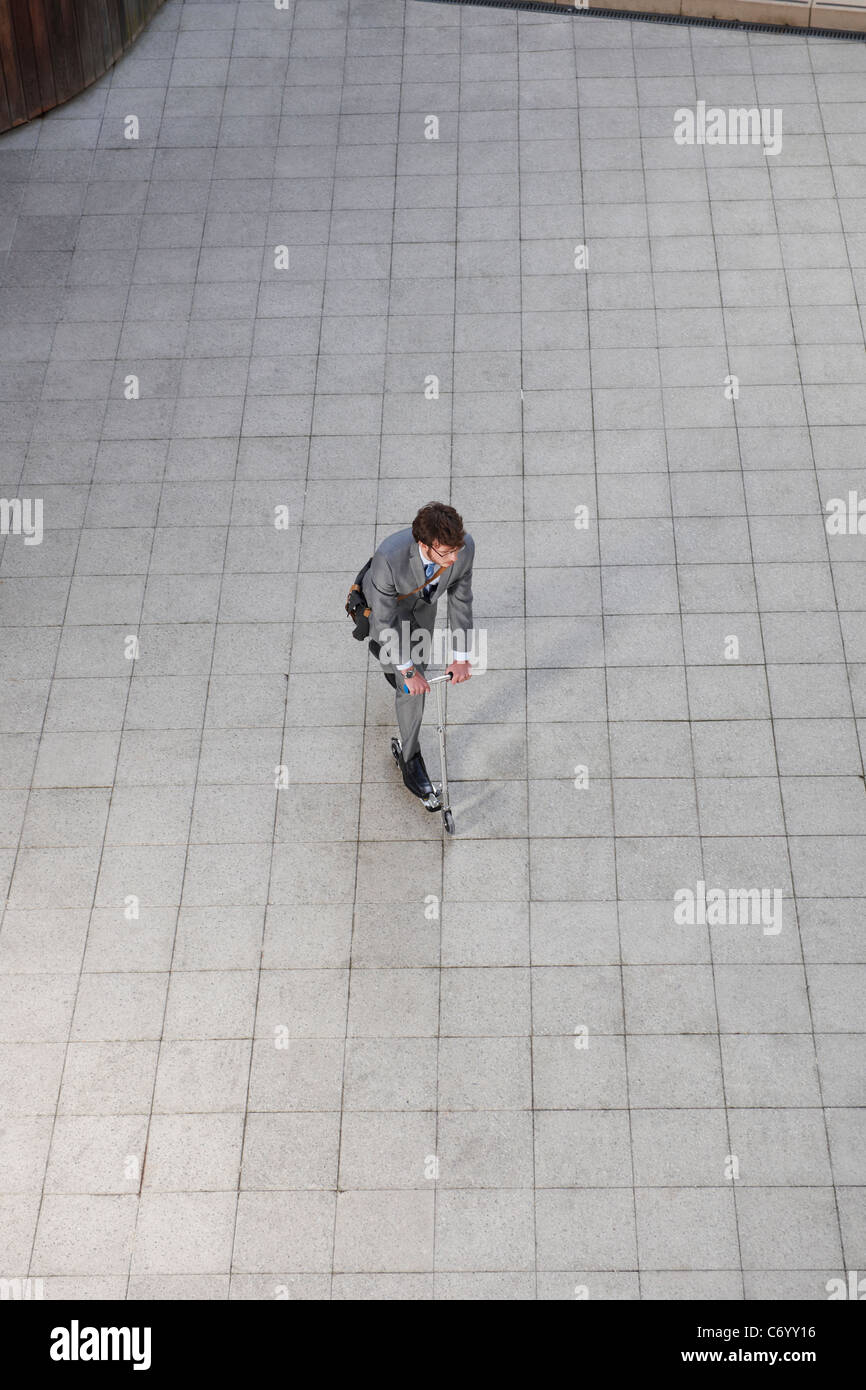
(449, 675)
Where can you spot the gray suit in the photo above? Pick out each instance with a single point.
(396, 569)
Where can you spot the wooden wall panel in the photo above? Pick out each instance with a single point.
(16, 104)
(29, 49)
(63, 47)
(50, 50)
(90, 44)
(5, 109)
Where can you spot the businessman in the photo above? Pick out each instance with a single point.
(410, 572)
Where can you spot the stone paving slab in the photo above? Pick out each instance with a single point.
(265, 1041)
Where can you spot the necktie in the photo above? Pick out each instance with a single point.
(429, 589)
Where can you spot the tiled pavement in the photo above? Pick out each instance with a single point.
(244, 1090)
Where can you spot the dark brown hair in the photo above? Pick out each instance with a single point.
(438, 522)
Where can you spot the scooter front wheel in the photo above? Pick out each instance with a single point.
(449, 821)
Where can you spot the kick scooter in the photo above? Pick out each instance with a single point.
(441, 791)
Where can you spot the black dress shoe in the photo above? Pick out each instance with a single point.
(416, 778)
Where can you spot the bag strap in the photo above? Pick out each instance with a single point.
(357, 588)
(431, 580)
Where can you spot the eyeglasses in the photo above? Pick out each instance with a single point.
(452, 550)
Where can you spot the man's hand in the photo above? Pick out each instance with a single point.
(416, 684)
(459, 671)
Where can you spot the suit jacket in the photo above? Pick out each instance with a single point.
(396, 569)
